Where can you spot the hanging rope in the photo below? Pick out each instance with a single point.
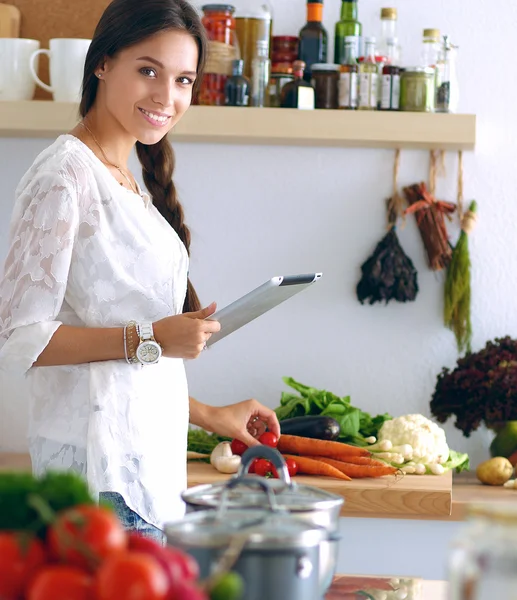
(460, 200)
(395, 204)
(432, 172)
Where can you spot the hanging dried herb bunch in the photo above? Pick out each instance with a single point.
(481, 389)
(389, 274)
(457, 284)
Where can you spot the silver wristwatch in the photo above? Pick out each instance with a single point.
(149, 350)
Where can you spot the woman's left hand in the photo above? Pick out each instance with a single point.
(245, 421)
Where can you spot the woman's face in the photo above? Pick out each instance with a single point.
(148, 87)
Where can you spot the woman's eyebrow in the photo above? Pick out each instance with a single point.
(159, 64)
(153, 60)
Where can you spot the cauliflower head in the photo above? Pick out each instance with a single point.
(425, 437)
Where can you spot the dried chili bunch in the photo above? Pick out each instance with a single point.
(389, 274)
(430, 217)
(481, 389)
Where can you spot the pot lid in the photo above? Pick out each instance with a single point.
(292, 498)
(259, 529)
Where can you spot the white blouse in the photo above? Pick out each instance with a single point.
(87, 252)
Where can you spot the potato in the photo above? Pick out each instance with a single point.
(495, 471)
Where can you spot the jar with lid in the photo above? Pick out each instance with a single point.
(281, 74)
(430, 48)
(325, 79)
(417, 89)
(219, 22)
(284, 53)
(482, 562)
(254, 25)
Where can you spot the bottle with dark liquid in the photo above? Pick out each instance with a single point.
(297, 93)
(237, 86)
(313, 38)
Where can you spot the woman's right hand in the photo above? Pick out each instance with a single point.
(185, 335)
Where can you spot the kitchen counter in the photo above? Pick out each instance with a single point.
(417, 589)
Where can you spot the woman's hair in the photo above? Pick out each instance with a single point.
(123, 24)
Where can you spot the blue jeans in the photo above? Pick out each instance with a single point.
(130, 520)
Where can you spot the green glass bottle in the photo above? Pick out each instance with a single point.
(348, 25)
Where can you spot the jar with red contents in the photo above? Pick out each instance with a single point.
(219, 23)
(284, 53)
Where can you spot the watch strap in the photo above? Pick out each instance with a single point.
(145, 331)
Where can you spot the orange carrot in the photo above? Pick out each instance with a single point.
(309, 466)
(365, 461)
(294, 444)
(357, 471)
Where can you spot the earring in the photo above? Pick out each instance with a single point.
(99, 75)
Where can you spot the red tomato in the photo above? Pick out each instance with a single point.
(84, 535)
(251, 468)
(61, 582)
(238, 447)
(186, 590)
(268, 439)
(132, 576)
(292, 467)
(178, 565)
(264, 468)
(18, 563)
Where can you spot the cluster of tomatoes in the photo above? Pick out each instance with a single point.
(261, 466)
(87, 555)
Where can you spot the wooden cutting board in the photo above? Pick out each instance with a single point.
(46, 19)
(412, 496)
(10, 18)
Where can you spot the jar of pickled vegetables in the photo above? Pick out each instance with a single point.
(417, 89)
(219, 22)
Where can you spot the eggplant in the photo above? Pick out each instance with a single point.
(318, 427)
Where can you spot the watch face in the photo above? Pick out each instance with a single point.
(148, 353)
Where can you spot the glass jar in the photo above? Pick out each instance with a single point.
(285, 49)
(482, 562)
(254, 22)
(325, 79)
(276, 83)
(417, 89)
(220, 26)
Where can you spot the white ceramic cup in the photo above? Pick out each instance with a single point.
(67, 57)
(16, 82)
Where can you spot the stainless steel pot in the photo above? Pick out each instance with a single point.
(276, 553)
(309, 503)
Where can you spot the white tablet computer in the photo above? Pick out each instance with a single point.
(257, 302)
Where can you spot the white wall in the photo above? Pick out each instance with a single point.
(258, 211)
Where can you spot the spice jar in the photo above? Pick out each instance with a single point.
(325, 78)
(220, 26)
(417, 89)
(285, 48)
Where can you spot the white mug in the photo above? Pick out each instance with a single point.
(67, 57)
(16, 82)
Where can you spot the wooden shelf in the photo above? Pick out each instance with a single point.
(269, 126)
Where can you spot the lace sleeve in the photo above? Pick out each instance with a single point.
(32, 289)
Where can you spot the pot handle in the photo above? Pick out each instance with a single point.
(236, 481)
(268, 453)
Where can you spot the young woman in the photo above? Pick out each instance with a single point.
(95, 302)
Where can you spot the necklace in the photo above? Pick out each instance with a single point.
(119, 169)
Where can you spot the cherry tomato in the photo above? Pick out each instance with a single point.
(61, 582)
(264, 468)
(292, 467)
(238, 447)
(19, 560)
(268, 439)
(187, 564)
(84, 535)
(133, 575)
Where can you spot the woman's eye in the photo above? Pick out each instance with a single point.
(186, 80)
(148, 72)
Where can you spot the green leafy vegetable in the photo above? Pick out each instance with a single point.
(355, 424)
(203, 442)
(458, 461)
